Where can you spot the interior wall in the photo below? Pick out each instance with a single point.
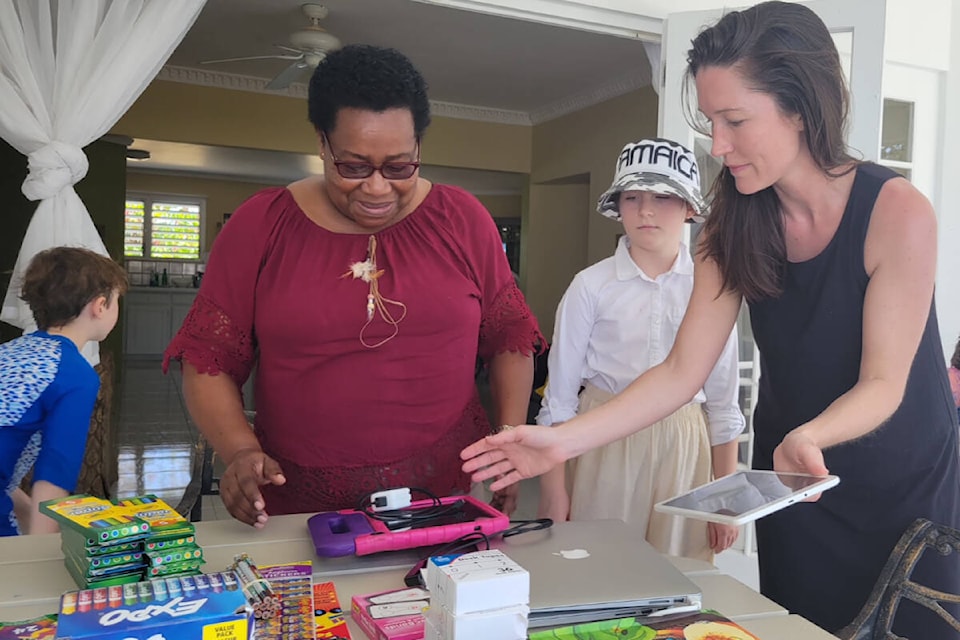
(222, 196)
(588, 142)
(502, 205)
(554, 251)
(178, 112)
(563, 233)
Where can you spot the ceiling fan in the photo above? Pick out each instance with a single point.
(309, 46)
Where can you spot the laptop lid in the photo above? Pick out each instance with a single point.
(594, 570)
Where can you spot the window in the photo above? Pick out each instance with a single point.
(896, 138)
(159, 227)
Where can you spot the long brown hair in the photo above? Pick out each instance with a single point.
(955, 360)
(784, 50)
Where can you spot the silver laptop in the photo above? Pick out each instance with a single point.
(597, 570)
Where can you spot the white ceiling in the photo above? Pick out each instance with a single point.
(490, 64)
(519, 70)
(466, 57)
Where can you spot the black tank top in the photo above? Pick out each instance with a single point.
(810, 340)
(821, 559)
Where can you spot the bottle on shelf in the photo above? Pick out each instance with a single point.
(164, 281)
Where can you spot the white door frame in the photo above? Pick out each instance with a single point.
(866, 18)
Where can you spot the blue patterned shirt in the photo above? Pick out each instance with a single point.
(47, 394)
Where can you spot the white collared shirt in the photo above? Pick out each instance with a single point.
(614, 322)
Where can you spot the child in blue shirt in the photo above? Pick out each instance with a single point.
(47, 388)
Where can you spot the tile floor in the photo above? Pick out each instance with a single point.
(157, 443)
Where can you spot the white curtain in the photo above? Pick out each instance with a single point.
(652, 50)
(68, 70)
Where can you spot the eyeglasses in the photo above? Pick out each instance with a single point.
(361, 170)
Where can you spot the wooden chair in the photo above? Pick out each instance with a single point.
(876, 618)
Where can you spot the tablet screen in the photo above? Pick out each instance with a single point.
(746, 493)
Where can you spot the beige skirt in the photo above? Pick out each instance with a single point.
(624, 479)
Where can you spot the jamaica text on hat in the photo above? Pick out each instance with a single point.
(656, 165)
(659, 156)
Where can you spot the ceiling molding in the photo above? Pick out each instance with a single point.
(570, 104)
(237, 82)
(484, 114)
(576, 102)
(221, 80)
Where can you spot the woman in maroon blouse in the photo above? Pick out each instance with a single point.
(363, 296)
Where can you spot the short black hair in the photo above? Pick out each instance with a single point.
(363, 76)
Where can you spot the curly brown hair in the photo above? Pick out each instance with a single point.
(955, 360)
(59, 282)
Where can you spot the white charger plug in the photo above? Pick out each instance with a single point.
(390, 499)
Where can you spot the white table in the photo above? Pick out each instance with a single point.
(32, 576)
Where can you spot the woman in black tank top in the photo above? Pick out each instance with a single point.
(837, 262)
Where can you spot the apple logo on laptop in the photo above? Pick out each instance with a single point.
(573, 554)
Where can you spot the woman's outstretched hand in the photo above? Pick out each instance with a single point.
(513, 454)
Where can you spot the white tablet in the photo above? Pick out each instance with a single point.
(746, 495)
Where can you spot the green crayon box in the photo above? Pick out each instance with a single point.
(95, 518)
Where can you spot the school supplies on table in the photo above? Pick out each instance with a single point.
(266, 604)
(174, 607)
(114, 543)
(478, 595)
(392, 615)
(41, 628)
(328, 614)
(96, 519)
(292, 586)
(703, 625)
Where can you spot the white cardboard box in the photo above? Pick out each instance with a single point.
(477, 581)
(508, 623)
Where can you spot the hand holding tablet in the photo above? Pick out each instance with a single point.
(746, 495)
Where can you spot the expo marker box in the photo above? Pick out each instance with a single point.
(210, 606)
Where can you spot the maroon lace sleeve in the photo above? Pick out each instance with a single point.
(212, 343)
(509, 325)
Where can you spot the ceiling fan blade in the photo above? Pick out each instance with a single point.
(288, 48)
(283, 79)
(271, 57)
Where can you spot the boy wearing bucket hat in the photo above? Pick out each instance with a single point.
(617, 319)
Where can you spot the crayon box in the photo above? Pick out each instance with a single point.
(183, 607)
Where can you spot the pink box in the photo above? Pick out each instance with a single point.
(392, 615)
